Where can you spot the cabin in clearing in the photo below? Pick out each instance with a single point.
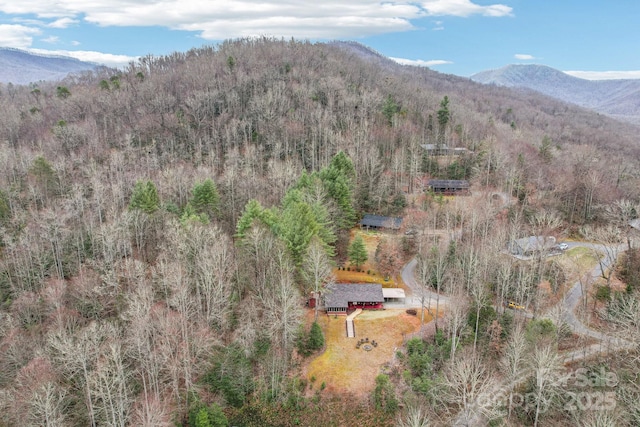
(449, 187)
(377, 222)
(443, 150)
(532, 245)
(342, 298)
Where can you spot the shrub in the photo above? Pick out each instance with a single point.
(540, 329)
(384, 397)
(316, 339)
(231, 375)
(603, 293)
(307, 344)
(207, 416)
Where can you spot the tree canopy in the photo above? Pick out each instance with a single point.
(205, 198)
(358, 252)
(145, 197)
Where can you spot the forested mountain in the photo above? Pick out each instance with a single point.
(158, 224)
(20, 67)
(615, 98)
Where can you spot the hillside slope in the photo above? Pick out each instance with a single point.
(617, 98)
(155, 222)
(20, 67)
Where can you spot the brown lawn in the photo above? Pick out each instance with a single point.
(344, 276)
(579, 259)
(371, 240)
(345, 369)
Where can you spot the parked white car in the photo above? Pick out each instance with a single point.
(563, 246)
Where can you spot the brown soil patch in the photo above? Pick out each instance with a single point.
(574, 342)
(345, 369)
(617, 285)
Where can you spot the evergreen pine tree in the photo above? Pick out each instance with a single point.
(358, 252)
(205, 198)
(252, 210)
(145, 197)
(316, 339)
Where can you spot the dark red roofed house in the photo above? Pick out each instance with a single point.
(342, 298)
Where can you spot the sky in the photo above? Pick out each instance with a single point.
(593, 39)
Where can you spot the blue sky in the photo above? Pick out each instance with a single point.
(588, 38)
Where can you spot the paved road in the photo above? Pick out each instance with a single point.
(574, 296)
(408, 274)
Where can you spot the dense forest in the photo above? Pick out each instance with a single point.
(161, 225)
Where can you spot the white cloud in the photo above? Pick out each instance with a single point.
(75, 43)
(464, 8)
(18, 36)
(30, 22)
(524, 57)
(420, 62)
(51, 39)
(217, 20)
(107, 59)
(605, 75)
(63, 23)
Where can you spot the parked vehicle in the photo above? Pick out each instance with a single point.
(563, 246)
(513, 305)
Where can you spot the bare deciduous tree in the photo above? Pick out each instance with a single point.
(76, 354)
(466, 385)
(317, 270)
(415, 416)
(546, 365)
(513, 363)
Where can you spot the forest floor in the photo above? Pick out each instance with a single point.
(342, 367)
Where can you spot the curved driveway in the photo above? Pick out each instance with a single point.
(574, 296)
(569, 303)
(408, 274)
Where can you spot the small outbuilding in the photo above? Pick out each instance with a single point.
(376, 222)
(443, 150)
(528, 246)
(449, 186)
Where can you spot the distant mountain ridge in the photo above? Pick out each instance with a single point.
(616, 98)
(22, 67)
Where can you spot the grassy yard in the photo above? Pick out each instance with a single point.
(583, 258)
(345, 369)
(371, 240)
